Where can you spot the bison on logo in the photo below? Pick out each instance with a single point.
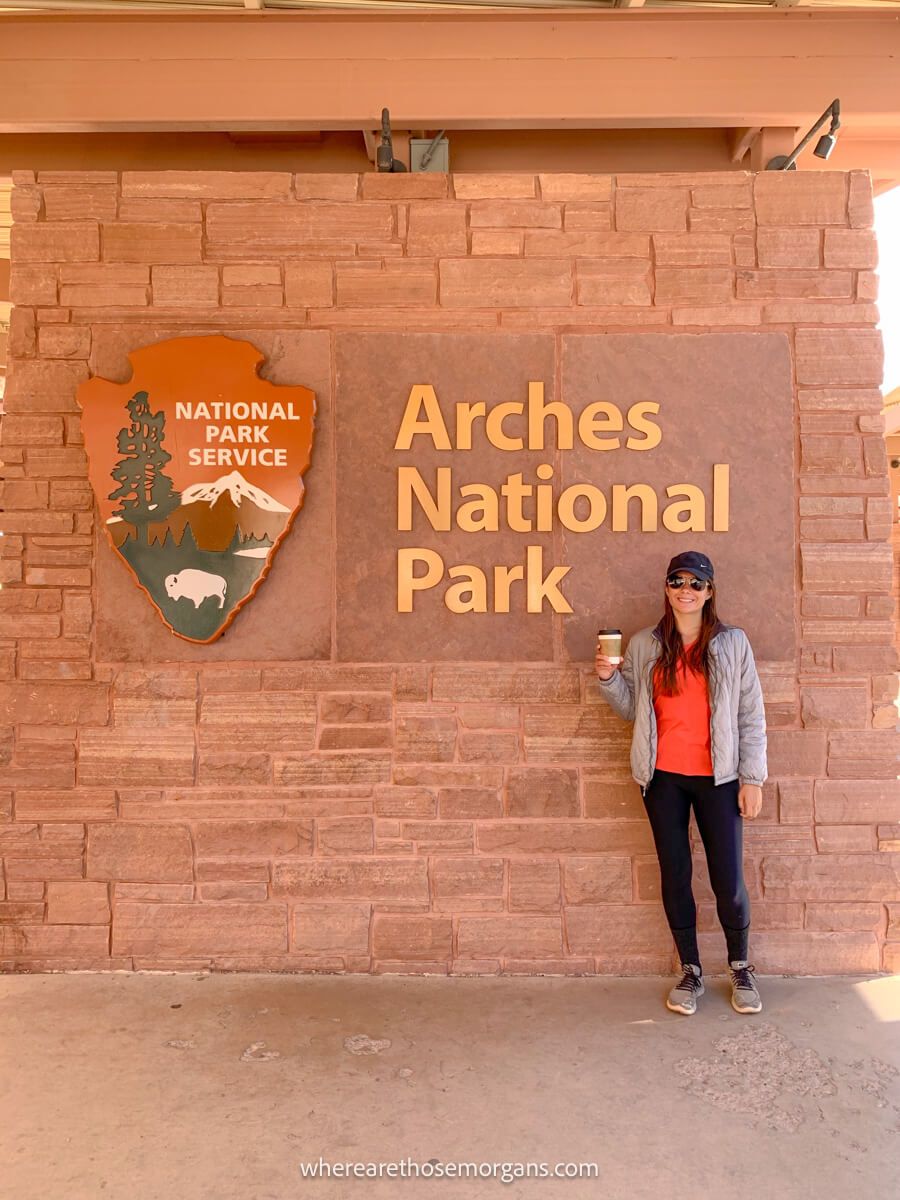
(197, 467)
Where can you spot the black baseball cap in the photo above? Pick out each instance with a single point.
(695, 562)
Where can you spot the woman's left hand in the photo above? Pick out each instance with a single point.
(750, 799)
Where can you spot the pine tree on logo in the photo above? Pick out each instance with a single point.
(145, 492)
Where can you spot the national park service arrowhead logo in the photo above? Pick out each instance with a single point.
(197, 467)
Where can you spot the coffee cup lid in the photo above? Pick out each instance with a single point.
(609, 632)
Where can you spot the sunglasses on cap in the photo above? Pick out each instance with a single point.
(677, 582)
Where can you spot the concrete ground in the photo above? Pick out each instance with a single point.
(213, 1087)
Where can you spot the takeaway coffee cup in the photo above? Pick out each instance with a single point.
(609, 642)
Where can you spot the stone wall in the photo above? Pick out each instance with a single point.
(266, 803)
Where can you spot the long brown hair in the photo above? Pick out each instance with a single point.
(697, 657)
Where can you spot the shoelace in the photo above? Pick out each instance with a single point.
(742, 977)
(689, 982)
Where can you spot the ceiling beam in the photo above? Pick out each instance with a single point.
(539, 70)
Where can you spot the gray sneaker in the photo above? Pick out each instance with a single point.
(683, 996)
(744, 995)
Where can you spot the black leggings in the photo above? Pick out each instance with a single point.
(668, 800)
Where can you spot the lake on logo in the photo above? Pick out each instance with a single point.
(197, 465)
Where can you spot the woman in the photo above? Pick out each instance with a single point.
(690, 686)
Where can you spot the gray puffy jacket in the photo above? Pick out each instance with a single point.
(737, 717)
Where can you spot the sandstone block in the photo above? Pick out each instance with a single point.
(583, 734)
(186, 286)
(740, 222)
(833, 707)
(439, 837)
(583, 186)
(332, 770)
(606, 800)
(207, 185)
(456, 880)
(32, 284)
(497, 241)
(506, 214)
(43, 386)
(331, 929)
(725, 195)
(845, 839)
(839, 357)
(356, 737)
(66, 202)
(406, 283)
(868, 754)
(526, 936)
(64, 341)
(159, 211)
(860, 209)
(405, 802)
(617, 929)
(832, 877)
(504, 282)
(614, 281)
(50, 703)
(586, 244)
(534, 885)
(794, 752)
(850, 248)
(274, 721)
(537, 792)
(54, 943)
(840, 567)
(327, 186)
(139, 852)
(801, 198)
(258, 839)
(692, 249)
(599, 880)
(63, 242)
(505, 684)
(345, 835)
(167, 930)
(241, 230)
(814, 953)
(412, 936)
(414, 185)
(143, 242)
(425, 739)
(499, 185)
(349, 708)
(564, 837)
(653, 210)
(587, 216)
(789, 248)
(164, 757)
(711, 285)
(841, 917)
(365, 879)
(78, 903)
(494, 746)
(309, 283)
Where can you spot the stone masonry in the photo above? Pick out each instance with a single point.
(197, 810)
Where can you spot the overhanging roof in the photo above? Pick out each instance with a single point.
(662, 68)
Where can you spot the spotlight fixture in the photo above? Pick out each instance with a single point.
(823, 147)
(384, 154)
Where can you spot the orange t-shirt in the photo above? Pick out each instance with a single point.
(683, 726)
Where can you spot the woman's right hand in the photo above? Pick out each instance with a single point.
(604, 667)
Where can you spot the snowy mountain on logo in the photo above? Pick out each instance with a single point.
(227, 511)
(238, 489)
